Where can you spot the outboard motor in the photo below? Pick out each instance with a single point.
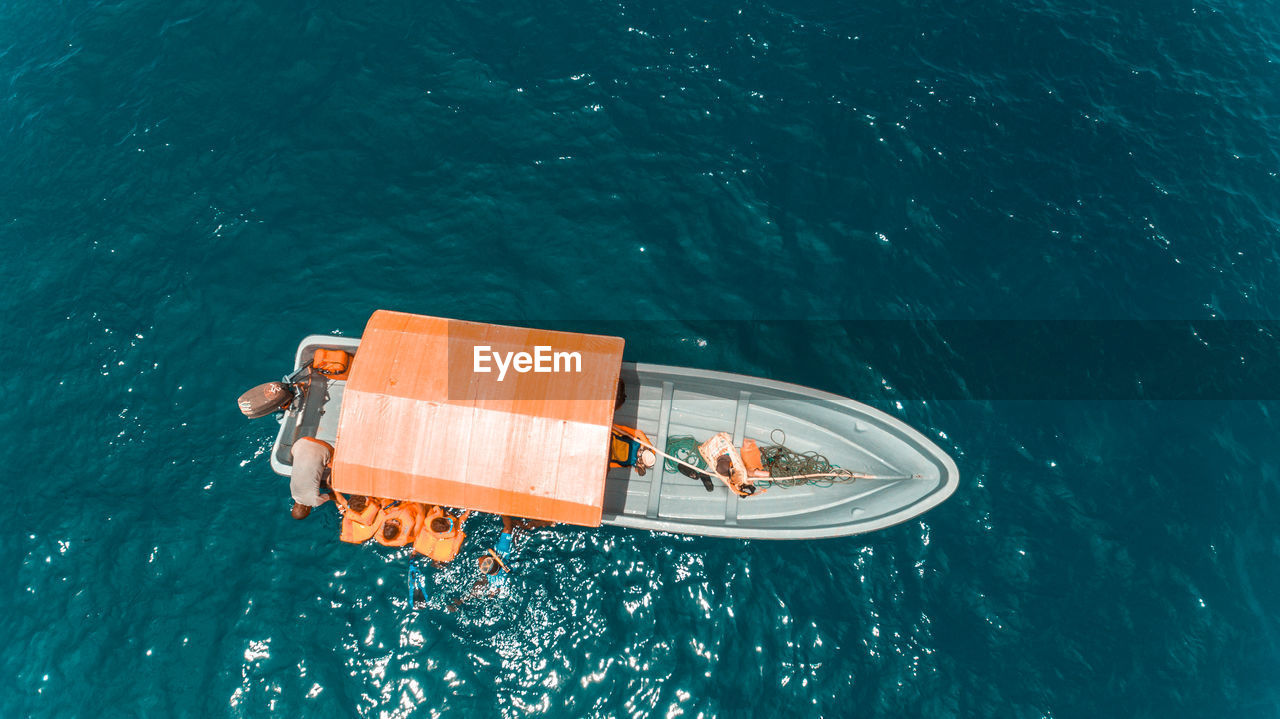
(265, 399)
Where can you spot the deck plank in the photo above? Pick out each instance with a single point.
(659, 471)
(731, 498)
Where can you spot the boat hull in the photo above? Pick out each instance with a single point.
(914, 475)
(668, 402)
(317, 414)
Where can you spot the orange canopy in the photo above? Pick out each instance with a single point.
(478, 416)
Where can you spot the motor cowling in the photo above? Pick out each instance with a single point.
(265, 399)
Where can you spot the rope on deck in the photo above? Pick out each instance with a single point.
(783, 457)
(789, 468)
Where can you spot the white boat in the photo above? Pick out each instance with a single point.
(897, 473)
(911, 474)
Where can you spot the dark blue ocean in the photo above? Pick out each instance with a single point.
(189, 188)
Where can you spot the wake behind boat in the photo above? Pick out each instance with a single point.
(412, 418)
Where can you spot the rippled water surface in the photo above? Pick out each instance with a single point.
(189, 188)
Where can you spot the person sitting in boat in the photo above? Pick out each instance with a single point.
(311, 459)
(720, 454)
(401, 524)
(442, 537)
(630, 447)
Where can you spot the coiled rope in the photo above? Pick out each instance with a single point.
(789, 468)
(685, 449)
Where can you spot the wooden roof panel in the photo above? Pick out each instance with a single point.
(419, 423)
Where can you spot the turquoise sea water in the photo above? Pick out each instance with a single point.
(189, 188)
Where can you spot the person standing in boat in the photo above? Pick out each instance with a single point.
(311, 458)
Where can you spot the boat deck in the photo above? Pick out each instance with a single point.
(318, 416)
(667, 402)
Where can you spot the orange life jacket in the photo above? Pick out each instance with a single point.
(751, 456)
(356, 532)
(332, 363)
(409, 515)
(441, 546)
(358, 527)
(369, 516)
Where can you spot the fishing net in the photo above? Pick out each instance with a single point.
(787, 467)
